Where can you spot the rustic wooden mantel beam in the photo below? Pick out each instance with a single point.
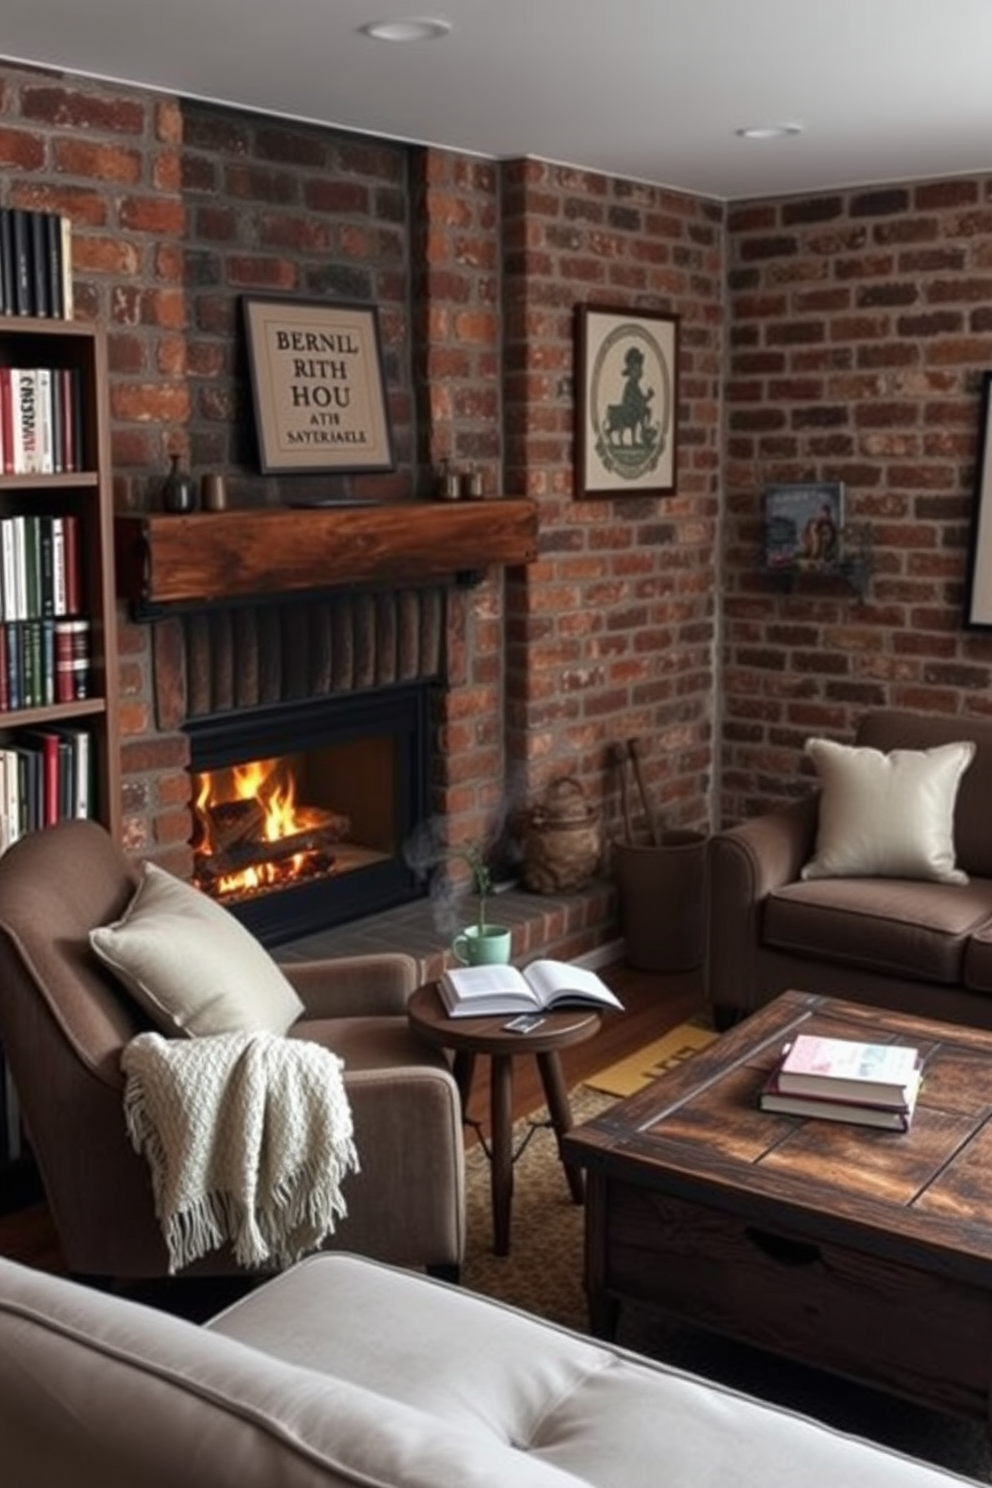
(210, 557)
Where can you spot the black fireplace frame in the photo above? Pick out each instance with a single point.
(403, 710)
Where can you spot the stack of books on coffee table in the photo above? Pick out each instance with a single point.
(845, 1080)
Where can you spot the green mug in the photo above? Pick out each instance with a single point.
(483, 945)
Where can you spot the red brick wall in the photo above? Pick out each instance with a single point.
(178, 209)
(612, 633)
(860, 324)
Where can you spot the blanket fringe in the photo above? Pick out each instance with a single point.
(290, 1218)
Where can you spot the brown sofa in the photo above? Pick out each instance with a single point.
(917, 945)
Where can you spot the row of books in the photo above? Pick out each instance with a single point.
(44, 662)
(35, 264)
(40, 420)
(846, 1080)
(41, 573)
(45, 778)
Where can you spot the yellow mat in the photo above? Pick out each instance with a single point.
(629, 1075)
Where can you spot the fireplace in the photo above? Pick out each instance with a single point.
(301, 810)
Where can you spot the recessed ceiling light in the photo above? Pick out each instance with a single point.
(415, 28)
(769, 131)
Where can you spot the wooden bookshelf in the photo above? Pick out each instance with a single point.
(85, 493)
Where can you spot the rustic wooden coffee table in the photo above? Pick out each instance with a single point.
(860, 1251)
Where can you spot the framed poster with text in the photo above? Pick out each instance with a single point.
(318, 387)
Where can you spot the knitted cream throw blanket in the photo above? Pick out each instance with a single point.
(248, 1137)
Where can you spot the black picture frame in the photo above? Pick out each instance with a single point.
(318, 386)
(626, 401)
(978, 583)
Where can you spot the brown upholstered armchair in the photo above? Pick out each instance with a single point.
(65, 1019)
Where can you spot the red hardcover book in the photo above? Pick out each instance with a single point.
(45, 743)
(72, 660)
(7, 420)
(49, 779)
(73, 570)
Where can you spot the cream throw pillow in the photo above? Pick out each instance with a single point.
(193, 967)
(887, 815)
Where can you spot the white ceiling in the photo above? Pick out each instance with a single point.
(651, 90)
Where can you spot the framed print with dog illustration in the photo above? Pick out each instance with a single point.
(626, 401)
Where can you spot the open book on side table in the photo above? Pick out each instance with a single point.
(484, 991)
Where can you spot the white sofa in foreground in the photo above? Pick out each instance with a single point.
(344, 1371)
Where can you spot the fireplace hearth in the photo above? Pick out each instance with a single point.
(301, 810)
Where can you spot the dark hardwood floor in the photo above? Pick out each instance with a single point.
(653, 1001)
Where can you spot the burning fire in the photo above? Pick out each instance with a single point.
(253, 835)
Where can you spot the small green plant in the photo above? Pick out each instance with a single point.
(482, 878)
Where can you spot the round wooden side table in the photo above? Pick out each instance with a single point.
(470, 1037)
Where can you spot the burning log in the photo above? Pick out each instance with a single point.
(229, 822)
(238, 856)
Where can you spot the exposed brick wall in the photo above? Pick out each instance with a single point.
(179, 208)
(860, 324)
(455, 353)
(612, 633)
(840, 337)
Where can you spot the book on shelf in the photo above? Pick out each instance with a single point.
(21, 261)
(10, 827)
(45, 742)
(543, 986)
(45, 777)
(71, 556)
(827, 1108)
(35, 264)
(38, 255)
(6, 262)
(7, 420)
(76, 773)
(39, 420)
(72, 660)
(848, 1069)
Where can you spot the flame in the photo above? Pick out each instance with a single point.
(272, 785)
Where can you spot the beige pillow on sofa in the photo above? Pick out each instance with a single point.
(193, 967)
(887, 815)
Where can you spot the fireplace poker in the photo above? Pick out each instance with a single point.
(634, 750)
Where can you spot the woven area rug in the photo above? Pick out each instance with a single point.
(543, 1272)
(543, 1275)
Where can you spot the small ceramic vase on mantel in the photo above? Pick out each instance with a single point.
(178, 489)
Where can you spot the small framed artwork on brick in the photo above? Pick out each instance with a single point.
(318, 385)
(978, 589)
(626, 401)
(803, 525)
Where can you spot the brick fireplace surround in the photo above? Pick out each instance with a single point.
(606, 632)
(213, 662)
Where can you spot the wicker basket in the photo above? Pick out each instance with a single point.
(562, 840)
